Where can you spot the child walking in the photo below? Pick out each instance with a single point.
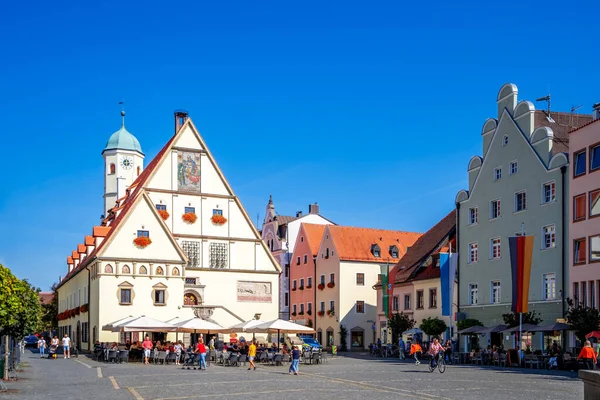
(415, 350)
(295, 360)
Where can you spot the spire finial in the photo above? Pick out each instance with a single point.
(122, 115)
(270, 199)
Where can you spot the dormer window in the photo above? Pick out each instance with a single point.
(394, 251)
(376, 250)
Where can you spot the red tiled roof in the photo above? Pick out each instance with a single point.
(314, 234)
(81, 248)
(90, 241)
(354, 244)
(563, 122)
(46, 297)
(100, 231)
(584, 125)
(75, 255)
(70, 260)
(424, 247)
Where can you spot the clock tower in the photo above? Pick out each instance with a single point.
(123, 162)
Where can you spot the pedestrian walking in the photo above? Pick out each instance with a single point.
(252, 355)
(147, 345)
(42, 346)
(415, 351)
(588, 355)
(294, 366)
(201, 349)
(178, 347)
(66, 342)
(401, 348)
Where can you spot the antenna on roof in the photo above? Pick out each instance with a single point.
(548, 117)
(573, 109)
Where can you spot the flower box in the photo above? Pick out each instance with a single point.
(293, 289)
(189, 218)
(301, 288)
(164, 214)
(321, 313)
(331, 313)
(331, 285)
(294, 314)
(142, 241)
(309, 312)
(321, 286)
(301, 313)
(309, 286)
(77, 310)
(218, 219)
(84, 308)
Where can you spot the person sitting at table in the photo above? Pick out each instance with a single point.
(235, 347)
(114, 346)
(284, 349)
(274, 348)
(225, 348)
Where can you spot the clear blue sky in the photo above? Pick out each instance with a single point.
(371, 110)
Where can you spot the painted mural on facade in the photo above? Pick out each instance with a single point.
(188, 171)
(254, 291)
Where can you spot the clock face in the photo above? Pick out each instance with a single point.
(126, 162)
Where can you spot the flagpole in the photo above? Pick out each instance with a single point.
(521, 313)
(450, 288)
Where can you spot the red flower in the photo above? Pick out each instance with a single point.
(84, 308)
(321, 286)
(189, 218)
(321, 313)
(142, 241)
(77, 310)
(218, 219)
(331, 285)
(164, 214)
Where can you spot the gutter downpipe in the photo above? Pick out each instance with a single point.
(458, 270)
(89, 311)
(563, 171)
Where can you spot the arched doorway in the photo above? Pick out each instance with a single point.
(190, 299)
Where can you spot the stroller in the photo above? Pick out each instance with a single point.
(191, 360)
(52, 352)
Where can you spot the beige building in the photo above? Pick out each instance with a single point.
(348, 264)
(177, 243)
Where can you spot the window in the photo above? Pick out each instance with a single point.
(549, 193)
(549, 286)
(287, 271)
(322, 306)
(332, 305)
(520, 201)
(394, 251)
(514, 168)
(294, 285)
(301, 283)
(302, 309)
(139, 169)
(594, 157)
(112, 169)
(395, 303)
(143, 270)
(579, 163)
(216, 211)
(494, 209)
(159, 297)
(192, 251)
(85, 327)
(190, 210)
(322, 279)
(579, 251)
(309, 284)
(375, 250)
(218, 255)
(549, 233)
(473, 215)
(302, 238)
(360, 279)
(298, 260)
(125, 296)
(592, 294)
(305, 259)
(327, 252)
(594, 248)
(420, 299)
(576, 292)
(495, 297)
(143, 234)
(407, 301)
(190, 299)
(332, 278)
(161, 207)
(497, 173)
(294, 310)
(473, 253)
(360, 307)
(594, 203)
(473, 294)
(286, 299)
(309, 308)
(432, 298)
(579, 207)
(505, 140)
(495, 248)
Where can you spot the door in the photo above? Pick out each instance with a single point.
(330, 338)
(78, 335)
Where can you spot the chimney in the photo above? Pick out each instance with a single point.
(596, 113)
(298, 214)
(313, 208)
(180, 117)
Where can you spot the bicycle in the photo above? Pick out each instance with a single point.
(441, 362)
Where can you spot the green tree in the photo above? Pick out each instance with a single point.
(343, 338)
(20, 308)
(398, 323)
(50, 311)
(512, 319)
(433, 326)
(582, 320)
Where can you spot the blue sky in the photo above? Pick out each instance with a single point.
(371, 110)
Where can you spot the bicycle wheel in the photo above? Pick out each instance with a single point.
(442, 365)
(431, 367)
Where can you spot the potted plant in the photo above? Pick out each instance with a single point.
(189, 218)
(294, 289)
(142, 241)
(218, 219)
(331, 313)
(301, 313)
(321, 286)
(331, 285)
(321, 313)
(309, 312)
(85, 307)
(294, 313)
(164, 214)
(301, 288)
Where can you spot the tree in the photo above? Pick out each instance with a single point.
(343, 338)
(582, 320)
(398, 323)
(512, 319)
(20, 308)
(50, 311)
(433, 326)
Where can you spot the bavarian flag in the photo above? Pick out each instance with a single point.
(521, 250)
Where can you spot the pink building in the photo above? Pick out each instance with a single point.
(584, 229)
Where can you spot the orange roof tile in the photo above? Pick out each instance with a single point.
(314, 234)
(100, 231)
(75, 255)
(355, 243)
(81, 248)
(69, 260)
(90, 241)
(46, 297)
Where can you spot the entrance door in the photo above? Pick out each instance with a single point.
(330, 338)
(78, 335)
(320, 338)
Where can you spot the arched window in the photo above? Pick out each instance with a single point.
(505, 140)
(143, 270)
(139, 170)
(175, 272)
(190, 299)
(125, 269)
(112, 169)
(159, 271)
(108, 269)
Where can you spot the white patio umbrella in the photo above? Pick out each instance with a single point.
(111, 327)
(144, 324)
(198, 325)
(280, 326)
(244, 326)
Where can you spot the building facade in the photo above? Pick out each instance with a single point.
(584, 210)
(349, 263)
(518, 186)
(280, 233)
(177, 243)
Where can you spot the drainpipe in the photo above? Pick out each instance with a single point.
(89, 337)
(315, 296)
(458, 270)
(563, 171)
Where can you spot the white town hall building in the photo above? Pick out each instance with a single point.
(175, 242)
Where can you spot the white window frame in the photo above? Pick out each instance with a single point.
(495, 245)
(497, 173)
(495, 297)
(473, 212)
(473, 300)
(545, 292)
(492, 208)
(356, 307)
(552, 234)
(552, 184)
(473, 249)
(524, 193)
(513, 167)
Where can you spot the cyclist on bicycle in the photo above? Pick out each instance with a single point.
(434, 349)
